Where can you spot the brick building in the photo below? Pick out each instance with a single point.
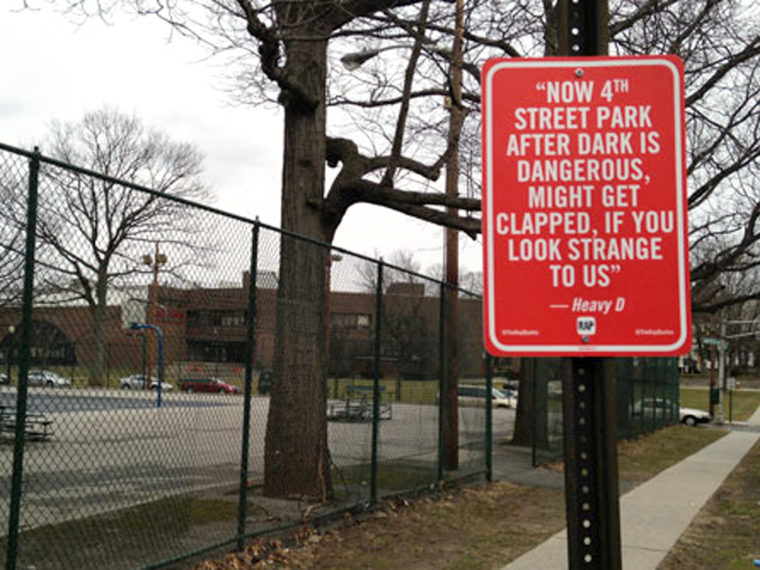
(208, 325)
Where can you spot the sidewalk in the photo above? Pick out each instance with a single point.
(654, 514)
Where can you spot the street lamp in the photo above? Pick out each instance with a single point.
(154, 263)
(11, 331)
(353, 61)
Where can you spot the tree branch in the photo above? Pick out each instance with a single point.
(751, 50)
(647, 9)
(269, 52)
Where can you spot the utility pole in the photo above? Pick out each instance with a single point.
(721, 372)
(451, 254)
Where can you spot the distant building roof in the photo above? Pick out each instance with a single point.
(407, 289)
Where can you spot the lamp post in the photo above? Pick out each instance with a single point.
(160, 342)
(154, 262)
(11, 331)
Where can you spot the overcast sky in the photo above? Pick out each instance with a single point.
(55, 69)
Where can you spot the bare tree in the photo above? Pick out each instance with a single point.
(92, 231)
(720, 44)
(404, 268)
(409, 312)
(11, 256)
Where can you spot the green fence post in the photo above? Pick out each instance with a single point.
(442, 382)
(675, 391)
(250, 350)
(14, 515)
(489, 418)
(376, 383)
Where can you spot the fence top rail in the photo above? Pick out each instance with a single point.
(37, 155)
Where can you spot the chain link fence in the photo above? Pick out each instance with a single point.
(170, 373)
(647, 394)
(171, 376)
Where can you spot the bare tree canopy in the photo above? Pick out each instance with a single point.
(387, 124)
(92, 232)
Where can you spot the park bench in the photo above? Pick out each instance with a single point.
(36, 426)
(356, 406)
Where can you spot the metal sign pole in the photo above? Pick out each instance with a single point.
(591, 474)
(567, 307)
(589, 405)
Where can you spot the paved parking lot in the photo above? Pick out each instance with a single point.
(64, 401)
(113, 449)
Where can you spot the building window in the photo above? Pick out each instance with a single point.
(216, 318)
(233, 320)
(362, 321)
(350, 321)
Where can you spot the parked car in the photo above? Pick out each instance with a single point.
(207, 385)
(662, 408)
(4, 379)
(137, 382)
(476, 395)
(47, 378)
(693, 416)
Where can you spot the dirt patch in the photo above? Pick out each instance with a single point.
(483, 526)
(480, 527)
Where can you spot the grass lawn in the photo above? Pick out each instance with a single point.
(725, 532)
(154, 530)
(744, 402)
(643, 458)
(407, 391)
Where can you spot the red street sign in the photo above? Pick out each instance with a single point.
(584, 207)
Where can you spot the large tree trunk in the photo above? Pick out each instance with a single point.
(296, 457)
(523, 434)
(532, 418)
(99, 331)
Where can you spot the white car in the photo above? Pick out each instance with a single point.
(662, 408)
(137, 382)
(693, 416)
(476, 396)
(47, 378)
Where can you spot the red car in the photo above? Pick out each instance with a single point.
(207, 385)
